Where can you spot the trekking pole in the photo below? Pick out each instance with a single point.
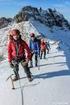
(13, 87)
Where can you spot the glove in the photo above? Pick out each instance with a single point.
(32, 53)
(11, 65)
(24, 63)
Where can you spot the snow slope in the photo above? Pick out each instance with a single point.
(51, 83)
(49, 87)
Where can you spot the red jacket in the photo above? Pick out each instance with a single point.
(21, 50)
(43, 46)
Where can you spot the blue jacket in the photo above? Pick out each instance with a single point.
(34, 46)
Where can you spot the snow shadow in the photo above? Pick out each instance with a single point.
(64, 46)
(66, 49)
(58, 63)
(67, 55)
(55, 56)
(52, 74)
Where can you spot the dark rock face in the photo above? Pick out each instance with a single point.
(4, 22)
(48, 17)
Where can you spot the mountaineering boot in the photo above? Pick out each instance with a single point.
(16, 77)
(30, 79)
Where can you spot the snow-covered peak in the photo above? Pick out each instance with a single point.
(49, 17)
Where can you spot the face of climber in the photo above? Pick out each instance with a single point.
(15, 35)
(32, 37)
(42, 40)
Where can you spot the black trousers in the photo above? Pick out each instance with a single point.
(43, 52)
(36, 60)
(24, 65)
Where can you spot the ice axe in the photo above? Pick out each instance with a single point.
(10, 77)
